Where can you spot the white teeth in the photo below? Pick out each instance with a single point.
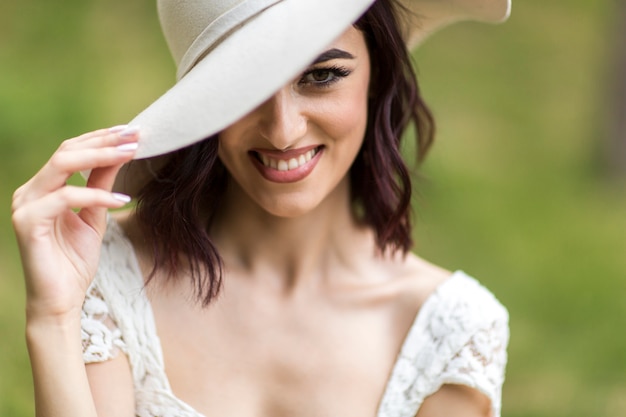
(286, 165)
(282, 165)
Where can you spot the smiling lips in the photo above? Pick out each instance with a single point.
(288, 166)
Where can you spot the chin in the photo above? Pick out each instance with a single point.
(289, 208)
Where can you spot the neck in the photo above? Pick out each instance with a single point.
(294, 250)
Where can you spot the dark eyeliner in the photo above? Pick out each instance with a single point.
(338, 72)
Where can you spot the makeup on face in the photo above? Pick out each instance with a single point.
(288, 166)
(290, 153)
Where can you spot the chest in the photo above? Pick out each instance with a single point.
(256, 360)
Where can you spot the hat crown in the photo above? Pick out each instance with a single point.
(183, 20)
(193, 27)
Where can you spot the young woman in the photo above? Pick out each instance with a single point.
(264, 270)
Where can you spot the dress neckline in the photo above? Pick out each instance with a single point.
(408, 347)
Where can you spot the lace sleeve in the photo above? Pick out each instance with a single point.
(101, 338)
(459, 337)
(481, 361)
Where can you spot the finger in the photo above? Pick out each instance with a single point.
(94, 133)
(118, 136)
(72, 161)
(64, 164)
(104, 177)
(101, 178)
(113, 136)
(44, 211)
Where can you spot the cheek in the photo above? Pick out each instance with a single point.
(227, 152)
(223, 148)
(231, 140)
(350, 109)
(346, 118)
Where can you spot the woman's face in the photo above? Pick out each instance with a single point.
(292, 151)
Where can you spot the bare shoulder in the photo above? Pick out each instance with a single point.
(420, 280)
(418, 277)
(420, 268)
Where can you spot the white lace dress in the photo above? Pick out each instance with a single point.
(459, 337)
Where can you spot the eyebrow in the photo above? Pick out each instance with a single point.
(333, 54)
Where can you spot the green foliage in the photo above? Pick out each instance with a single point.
(514, 191)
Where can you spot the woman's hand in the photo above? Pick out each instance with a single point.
(60, 247)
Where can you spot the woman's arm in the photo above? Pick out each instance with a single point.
(61, 386)
(64, 386)
(60, 249)
(111, 385)
(456, 401)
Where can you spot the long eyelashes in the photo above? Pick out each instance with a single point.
(323, 76)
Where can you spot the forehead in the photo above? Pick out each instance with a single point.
(351, 40)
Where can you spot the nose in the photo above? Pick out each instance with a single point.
(283, 122)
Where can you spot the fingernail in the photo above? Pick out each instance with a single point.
(118, 128)
(129, 131)
(126, 147)
(121, 197)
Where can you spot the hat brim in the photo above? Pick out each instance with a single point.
(221, 88)
(239, 74)
(243, 71)
(433, 15)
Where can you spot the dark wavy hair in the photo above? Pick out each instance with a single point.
(175, 215)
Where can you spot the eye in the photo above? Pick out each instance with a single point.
(323, 77)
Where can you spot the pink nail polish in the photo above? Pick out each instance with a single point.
(121, 197)
(127, 147)
(118, 128)
(129, 131)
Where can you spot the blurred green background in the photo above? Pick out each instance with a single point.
(516, 190)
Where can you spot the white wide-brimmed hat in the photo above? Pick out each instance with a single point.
(232, 55)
